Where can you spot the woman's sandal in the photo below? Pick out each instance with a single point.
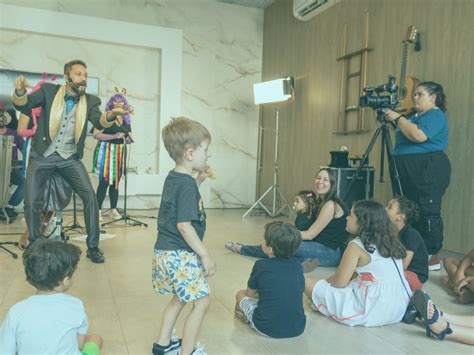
(421, 301)
(232, 246)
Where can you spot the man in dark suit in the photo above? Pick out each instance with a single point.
(59, 145)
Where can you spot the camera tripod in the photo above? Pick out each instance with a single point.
(386, 144)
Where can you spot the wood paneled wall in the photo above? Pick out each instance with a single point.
(308, 51)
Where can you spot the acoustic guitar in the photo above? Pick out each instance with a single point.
(407, 84)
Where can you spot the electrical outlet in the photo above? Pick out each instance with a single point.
(132, 169)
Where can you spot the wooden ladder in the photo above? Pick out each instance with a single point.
(346, 76)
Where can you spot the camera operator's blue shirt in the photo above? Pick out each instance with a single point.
(434, 125)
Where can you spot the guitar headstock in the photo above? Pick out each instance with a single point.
(411, 36)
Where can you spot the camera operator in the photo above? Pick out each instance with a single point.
(423, 166)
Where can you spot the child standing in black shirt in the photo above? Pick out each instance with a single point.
(181, 262)
(273, 300)
(402, 213)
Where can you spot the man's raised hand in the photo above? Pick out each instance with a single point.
(20, 85)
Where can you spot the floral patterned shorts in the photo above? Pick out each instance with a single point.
(179, 272)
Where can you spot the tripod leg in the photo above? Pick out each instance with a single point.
(258, 202)
(284, 205)
(394, 176)
(14, 256)
(382, 153)
(7, 217)
(134, 221)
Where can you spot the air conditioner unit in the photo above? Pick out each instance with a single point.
(305, 9)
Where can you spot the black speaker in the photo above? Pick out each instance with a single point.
(362, 188)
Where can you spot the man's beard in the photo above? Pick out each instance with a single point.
(76, 87)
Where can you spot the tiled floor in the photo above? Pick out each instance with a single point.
(123, 308)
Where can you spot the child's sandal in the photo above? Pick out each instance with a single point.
(421, 302)
(439, 336)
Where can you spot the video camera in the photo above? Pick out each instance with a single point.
(372, 97)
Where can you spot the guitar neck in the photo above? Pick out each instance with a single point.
(404, 65)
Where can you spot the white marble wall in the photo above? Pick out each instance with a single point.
(222, 56)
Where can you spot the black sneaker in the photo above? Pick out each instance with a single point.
(172, 348)
(96, 255)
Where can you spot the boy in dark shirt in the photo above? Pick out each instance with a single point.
(273, 300)
(181, 262)
(403, 213)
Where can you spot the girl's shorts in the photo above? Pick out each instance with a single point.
(179, 272)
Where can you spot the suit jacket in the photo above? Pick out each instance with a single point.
(87, 109)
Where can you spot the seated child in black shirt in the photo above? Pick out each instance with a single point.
(403, 213)
(273, 300)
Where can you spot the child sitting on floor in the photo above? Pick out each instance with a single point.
(369, 287)
(50, 322)
(403, 213)
(305, 208)
(273, 300)
(461, 276)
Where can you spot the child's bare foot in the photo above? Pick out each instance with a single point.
(240, 315)
(447, 281)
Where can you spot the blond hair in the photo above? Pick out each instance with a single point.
(182, 133)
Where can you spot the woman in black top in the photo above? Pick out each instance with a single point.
(110, 155)
(326, 237)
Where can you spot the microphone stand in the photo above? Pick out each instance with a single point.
(75, 223)
(129, 222)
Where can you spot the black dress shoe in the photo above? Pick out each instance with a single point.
(96, 255)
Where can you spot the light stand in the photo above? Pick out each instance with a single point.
(129, 222)
(274, 188)
(386, 143)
